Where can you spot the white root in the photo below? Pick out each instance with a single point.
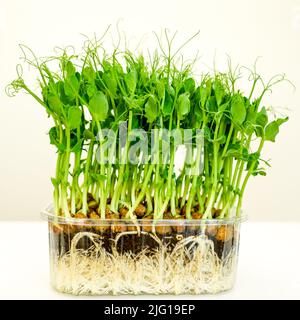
(192, 267)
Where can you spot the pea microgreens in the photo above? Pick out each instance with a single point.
(99, 90)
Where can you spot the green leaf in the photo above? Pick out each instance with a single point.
(78, 146)
(91, 89)
(62, 147)
(74, 117)
(98, 106)
(261, 122)
(260, 172)
(168, 104)
(183, 105)
(160, 87)
(280, 121)
(223, 107)
(219, 91)
(198, 112)
(98, 177)
(131, 81)
(253, 158)
(211, 104)
(89, 74)
(111, 83)
(71, 86)
(135, 122)
(207, 133)
(88, 134)
(151, 109)
(189, 85)
(53, 136)
(221, 139)
(171, 91)
(262, 118)
(250, 119)
(238, 109)
(235, 153)
(55, 182)
(272, 129)
(55, 104)
(205, 91)
(70, 69)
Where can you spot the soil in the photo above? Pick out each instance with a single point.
(224, 237)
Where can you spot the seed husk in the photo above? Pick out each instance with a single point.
(99, 228)
(211, 230)
(93, 215)
(197, 215)
(180, 228)
(111, 215)
(163, 230)
(123, 212)
(131, 228)
(90, 197)
(225, 233)
(93, 204)
(195, 228)
(216, 212)
(168, 216)
(57, 228)
(79, 215)
(183, 210)
(147, 228)
(168, 229)
(116, 227)
(63, 228)
(140, 210)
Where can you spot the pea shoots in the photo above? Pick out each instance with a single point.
(97, 91)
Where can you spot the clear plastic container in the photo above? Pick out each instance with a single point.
(114, 257)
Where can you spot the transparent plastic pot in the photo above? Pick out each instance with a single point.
(115, 257)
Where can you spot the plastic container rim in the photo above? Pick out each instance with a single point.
(48, 215)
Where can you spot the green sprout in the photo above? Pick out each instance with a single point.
(97, 90)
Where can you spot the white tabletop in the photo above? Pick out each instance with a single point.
(269, 263)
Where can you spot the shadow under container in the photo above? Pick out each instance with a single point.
(115, 257)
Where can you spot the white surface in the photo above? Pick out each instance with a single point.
(269, 264)
(244, 30)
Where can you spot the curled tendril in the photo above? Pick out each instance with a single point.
(68, 51)
(19, 70)
(14, 87)
(253, 75)
(33, 61)
(10, 90)
(278, 78)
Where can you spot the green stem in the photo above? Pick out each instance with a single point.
(86, 177)
(142, 192)
(250, 171)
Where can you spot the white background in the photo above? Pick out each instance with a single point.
(242, 29)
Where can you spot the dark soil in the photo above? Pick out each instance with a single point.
(223, 237)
